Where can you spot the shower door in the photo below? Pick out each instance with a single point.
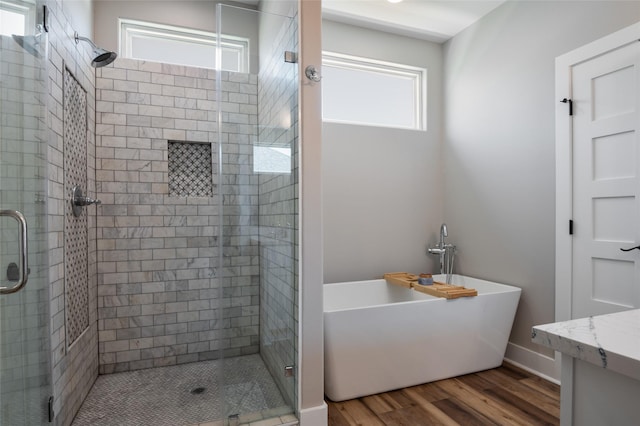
(258, 172)
(25, 386)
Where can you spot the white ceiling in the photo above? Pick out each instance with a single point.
(431, 20)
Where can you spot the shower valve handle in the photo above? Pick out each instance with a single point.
(78, 200)
(85, 201)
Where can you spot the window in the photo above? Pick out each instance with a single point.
(365, 91)
(15, 17)
(183, 46)
(271, 159)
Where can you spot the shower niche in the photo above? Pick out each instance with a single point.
(190, 169)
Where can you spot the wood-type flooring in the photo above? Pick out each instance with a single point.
(506, 395)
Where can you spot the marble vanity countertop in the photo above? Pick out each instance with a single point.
(610, 341)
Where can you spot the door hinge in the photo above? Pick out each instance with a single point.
(289, 371)
(570, 227)
(291, 57)
(570, 102)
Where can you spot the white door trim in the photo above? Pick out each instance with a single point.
(564, 185)
(564, 157)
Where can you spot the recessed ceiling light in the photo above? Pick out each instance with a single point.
(394, 1)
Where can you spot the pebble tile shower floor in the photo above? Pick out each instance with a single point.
(174, 396)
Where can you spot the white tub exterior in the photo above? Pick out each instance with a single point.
(379, 337)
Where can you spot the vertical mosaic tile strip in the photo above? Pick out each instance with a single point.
(190, 173)
(75, 235)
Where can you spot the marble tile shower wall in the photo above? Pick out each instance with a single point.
(159, 300)
(74, 366)
(278, 200)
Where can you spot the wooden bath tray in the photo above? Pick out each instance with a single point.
(447, 291)
(403, 279)
(437, 289)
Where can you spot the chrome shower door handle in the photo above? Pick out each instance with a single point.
(22, 244)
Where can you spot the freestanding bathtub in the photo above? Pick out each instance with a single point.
(379, 336)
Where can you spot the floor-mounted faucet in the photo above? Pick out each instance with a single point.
(446, 252)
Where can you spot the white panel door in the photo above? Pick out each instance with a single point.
(606, 183)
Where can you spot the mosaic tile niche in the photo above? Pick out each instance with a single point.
(190, 173)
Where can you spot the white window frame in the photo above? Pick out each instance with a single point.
(24, 8)
(130, 28)
(417, 74)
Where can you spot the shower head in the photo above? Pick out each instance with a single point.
(100, 56)
(30, 43)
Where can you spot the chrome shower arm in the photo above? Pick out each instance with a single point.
(78, 38)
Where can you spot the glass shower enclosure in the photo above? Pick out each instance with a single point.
(257, 158)
(25, 386)
(245, 271)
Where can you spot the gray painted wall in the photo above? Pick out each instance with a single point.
(80, 15)
(382, 187)
(499, 145)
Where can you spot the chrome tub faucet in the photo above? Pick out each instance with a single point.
(446, 252)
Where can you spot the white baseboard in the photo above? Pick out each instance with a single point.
(540, 365)
(315, 416)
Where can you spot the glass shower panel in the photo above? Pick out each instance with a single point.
(258, 172)
(25, 386)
